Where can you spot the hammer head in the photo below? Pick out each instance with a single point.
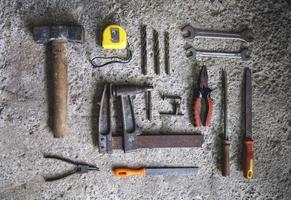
(44, 34)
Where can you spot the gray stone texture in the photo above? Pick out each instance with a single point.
(25, 134)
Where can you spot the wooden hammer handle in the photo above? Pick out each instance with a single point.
(60, 88)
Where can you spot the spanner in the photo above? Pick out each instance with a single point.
(190, 33)
(192, 52)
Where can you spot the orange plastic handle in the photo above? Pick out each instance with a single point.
(209, 111)
(124, 172)
(248, 159)
(197, 111)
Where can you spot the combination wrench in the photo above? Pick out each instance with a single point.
(190, 33)
(192, 52)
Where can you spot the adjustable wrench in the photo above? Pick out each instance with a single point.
(190, 33)
(192, 52)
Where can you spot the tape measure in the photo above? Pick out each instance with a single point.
(114, 37)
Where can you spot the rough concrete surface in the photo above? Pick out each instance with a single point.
(24, 101)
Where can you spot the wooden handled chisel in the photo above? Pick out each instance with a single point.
(159, 171)
(248, 152)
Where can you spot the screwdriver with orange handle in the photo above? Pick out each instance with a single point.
(248, 151)
(155, 171)
(203, 103)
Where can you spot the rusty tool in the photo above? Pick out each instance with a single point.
(143, 41)
(203, 103)
(149, 105)
(80, 167)
(162, 140)
(167, 52)
(190, 32)
(226, 142)
(156, 51)
(130, 130)
(59, 36)
(104, 121)
(156, 171)
(248, 152)
(108, 141)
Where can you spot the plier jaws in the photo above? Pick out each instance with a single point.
(203, 103)
(80, 167)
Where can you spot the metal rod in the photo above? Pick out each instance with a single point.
(167, 52)
(156, 50)
(149, 105)
(224, 104)
(143, 39)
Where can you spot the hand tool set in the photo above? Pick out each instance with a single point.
(131, 137)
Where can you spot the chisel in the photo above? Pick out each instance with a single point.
(248, 152)
(158, 171)
(226, 142)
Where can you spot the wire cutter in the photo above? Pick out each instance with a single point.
(80, 167)
(203, 103)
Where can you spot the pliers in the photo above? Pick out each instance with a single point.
(80, 167)
(203, 103)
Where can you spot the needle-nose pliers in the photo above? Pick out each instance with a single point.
(203, 103)
(80, 167)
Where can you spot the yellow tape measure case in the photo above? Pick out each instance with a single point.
(114, 37)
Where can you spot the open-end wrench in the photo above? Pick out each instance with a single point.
(192, 52)
(190, 33)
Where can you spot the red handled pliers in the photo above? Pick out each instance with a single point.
(203, 103)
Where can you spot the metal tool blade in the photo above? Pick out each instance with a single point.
(248, 102)
(104, 122)
(129, 126)
(224, 104)
(178, 171)
(203, 78)
(156, 140)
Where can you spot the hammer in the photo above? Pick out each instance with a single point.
(59, 36)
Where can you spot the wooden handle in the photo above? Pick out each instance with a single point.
(124, 172)
(197, 111)
(60, 89)
(226, 164)
(248, 159)
(209, 111)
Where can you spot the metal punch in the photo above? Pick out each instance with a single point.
(80, 167)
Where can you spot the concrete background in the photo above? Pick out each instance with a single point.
(25, 134)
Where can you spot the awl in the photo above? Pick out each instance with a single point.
(248, 152)
(159, 171)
